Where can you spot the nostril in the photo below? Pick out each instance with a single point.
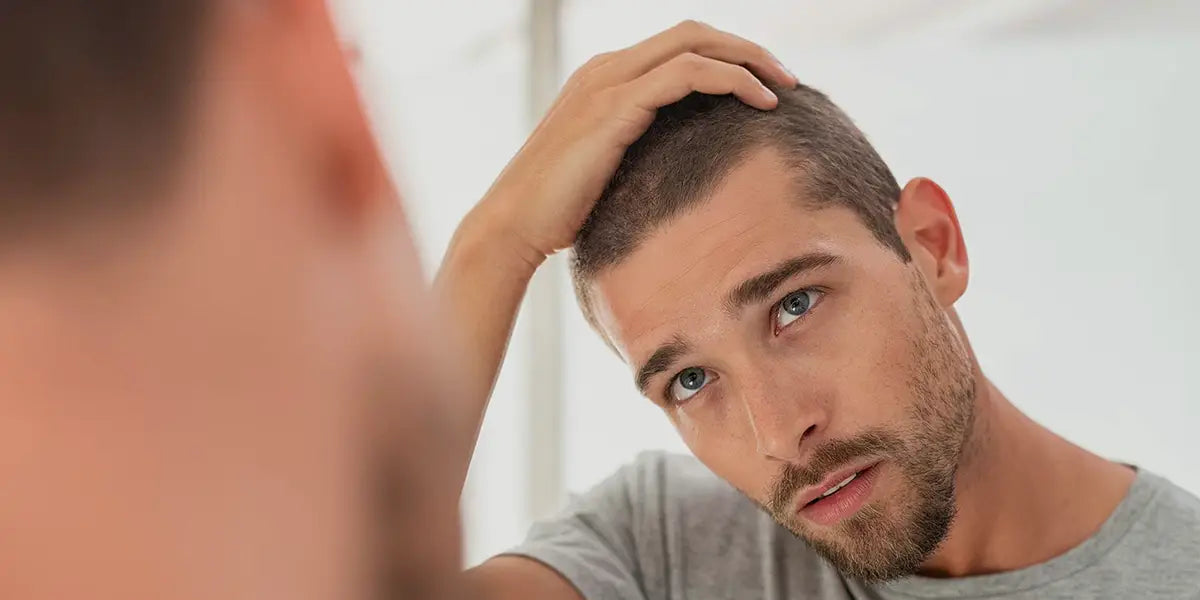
(807, 432)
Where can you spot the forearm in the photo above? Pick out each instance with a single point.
(480, 286)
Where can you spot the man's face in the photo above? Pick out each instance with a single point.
(794, 352)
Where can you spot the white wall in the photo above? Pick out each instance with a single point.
(1064, 130)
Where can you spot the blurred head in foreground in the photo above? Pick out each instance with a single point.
(208, 296)
(790, 308)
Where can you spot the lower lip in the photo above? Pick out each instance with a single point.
(844, 502)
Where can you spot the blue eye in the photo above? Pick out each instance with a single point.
(687, 383)
(795, 305)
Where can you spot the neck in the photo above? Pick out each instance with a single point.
(68, 333)
(1024, 494)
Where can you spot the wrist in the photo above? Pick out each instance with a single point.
(486, 238)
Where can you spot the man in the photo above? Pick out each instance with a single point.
(209, 384)
(206, 295)
(791, 310)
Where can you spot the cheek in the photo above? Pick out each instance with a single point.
(728, 448)
(868, 360)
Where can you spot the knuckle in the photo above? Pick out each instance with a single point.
(690, 62)
(590, 66)
(605, 102)
(692, 27)
(577, 76)
(760, 53)
(598, 60)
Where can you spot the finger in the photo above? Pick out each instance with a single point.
(695, 38)
(689, 73)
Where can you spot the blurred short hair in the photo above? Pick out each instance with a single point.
(93, 101)
(693, 144)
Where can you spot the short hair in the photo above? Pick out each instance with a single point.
(693, 144)
(92, 102)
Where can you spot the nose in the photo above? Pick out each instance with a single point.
(783, 413)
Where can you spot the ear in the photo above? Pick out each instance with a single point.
(929, 227)
(313, 87)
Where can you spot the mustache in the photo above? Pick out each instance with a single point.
(827, 458)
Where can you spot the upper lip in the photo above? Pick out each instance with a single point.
(812, 493)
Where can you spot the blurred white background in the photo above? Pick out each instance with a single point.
(1065, 131)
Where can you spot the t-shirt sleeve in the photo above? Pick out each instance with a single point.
(592, 542)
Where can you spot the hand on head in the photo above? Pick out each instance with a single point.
(544, 194)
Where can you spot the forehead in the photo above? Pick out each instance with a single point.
(677, 279)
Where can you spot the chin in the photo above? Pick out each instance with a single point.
(884, 540)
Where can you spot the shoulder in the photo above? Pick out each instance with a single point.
(661, 490)
(655, 481)
(655, 473)
(674, 487)
(1160, 549)
(665, 522)
(655, 492)
(1172, 516)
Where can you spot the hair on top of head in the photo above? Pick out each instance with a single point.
(693, 144)
(94, 97)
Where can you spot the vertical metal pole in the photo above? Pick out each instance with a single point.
(544, 301)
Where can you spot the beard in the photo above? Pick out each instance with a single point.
(886, 541)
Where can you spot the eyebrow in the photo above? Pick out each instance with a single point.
(750, 291)
(660, 361)
(760, 287)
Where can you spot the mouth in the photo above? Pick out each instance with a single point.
(839, 496)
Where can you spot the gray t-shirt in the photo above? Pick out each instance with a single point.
(666, 528)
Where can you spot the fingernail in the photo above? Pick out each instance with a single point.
(789, 72)
(769, 94)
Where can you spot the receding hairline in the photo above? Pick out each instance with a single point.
(585, 278)
(742, 157)
(694, 145)
(802, 198)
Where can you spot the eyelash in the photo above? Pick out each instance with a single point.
(778, 306)
(771, 312)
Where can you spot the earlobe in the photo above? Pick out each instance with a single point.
(928, 225)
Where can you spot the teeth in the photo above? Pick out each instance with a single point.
(839, 486)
